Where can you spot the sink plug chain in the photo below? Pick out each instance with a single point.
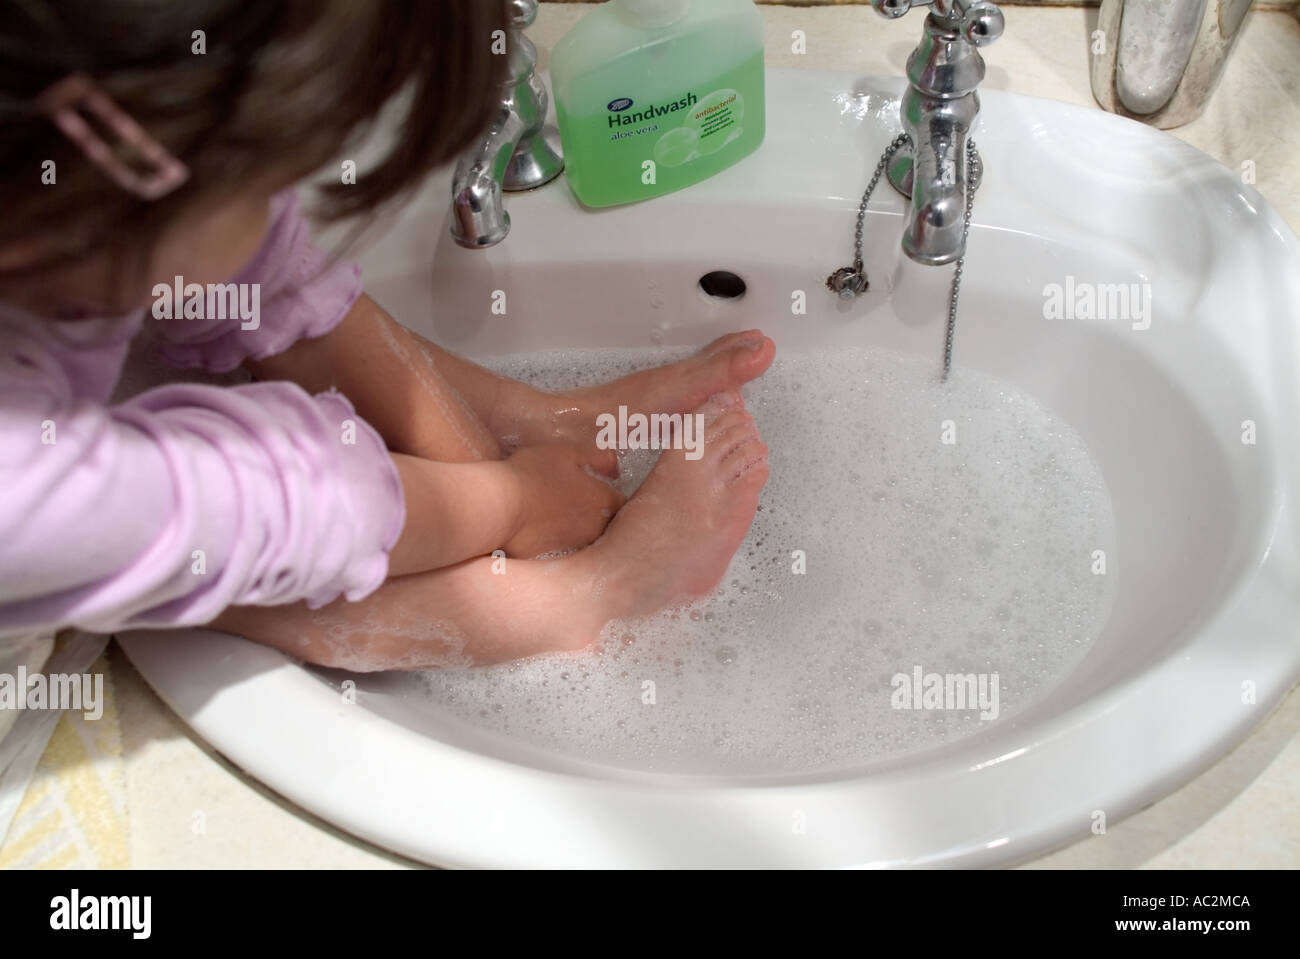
(851, 281)
(972, 158)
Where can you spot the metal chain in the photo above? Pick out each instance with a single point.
(851, 281)
(961, 260)
(895, 145)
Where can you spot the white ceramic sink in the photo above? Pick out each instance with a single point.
(1204, 636)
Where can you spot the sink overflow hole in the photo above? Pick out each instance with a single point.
(722, 285)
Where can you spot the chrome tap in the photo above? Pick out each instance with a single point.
(938, 112)
(518, 151)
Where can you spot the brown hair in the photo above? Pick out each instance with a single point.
(283, 85)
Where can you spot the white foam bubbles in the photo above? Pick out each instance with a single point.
(972, 556)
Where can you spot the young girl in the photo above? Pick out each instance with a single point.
(344, 505)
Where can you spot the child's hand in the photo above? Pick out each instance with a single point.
(564, 505)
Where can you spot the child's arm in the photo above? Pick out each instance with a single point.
(392, 377)
(187, 499)
(315, 327)
(318, 329)
(183, 500)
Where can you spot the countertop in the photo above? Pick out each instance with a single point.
(1243, 812)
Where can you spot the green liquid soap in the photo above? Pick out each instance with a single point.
(654, 95)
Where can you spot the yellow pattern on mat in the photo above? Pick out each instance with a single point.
(74, 813)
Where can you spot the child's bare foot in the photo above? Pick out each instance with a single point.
(725, 364)
(672, 541)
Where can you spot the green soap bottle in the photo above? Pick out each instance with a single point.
(654, 95)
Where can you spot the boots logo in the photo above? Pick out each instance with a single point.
(622, 103)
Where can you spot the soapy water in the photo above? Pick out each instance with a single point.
(972, 556)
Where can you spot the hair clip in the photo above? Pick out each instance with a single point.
(77, 91)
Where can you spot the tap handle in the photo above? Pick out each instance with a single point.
(522, 13)
(893, 9)
(980, 22)
(521, 54)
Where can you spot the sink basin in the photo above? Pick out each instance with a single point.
(1189, 411)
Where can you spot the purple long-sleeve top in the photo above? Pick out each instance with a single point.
(166, 508)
